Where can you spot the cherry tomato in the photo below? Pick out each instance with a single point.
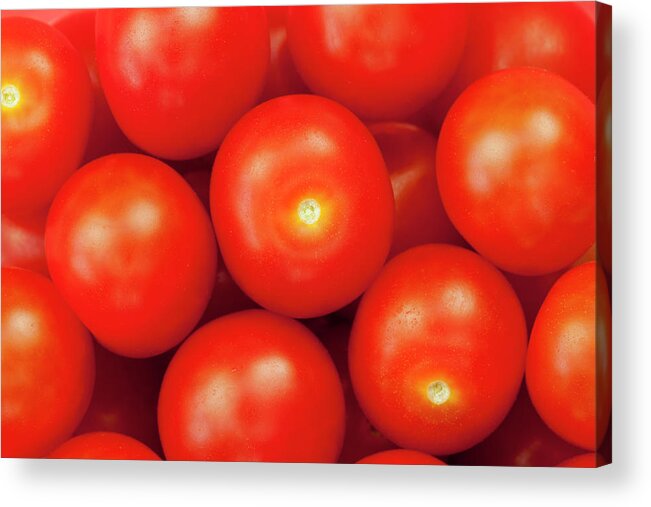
(105, 135)
(569, 357)
(523, 440)
(47, 366)
(44, 15)
(104, 445)
(605, 176)
(361, 437)
(125, 397)
(302, 204)
(381, 61)
(437, 350)
(46, 113)
(400, 457)
(282, 77)
(252, 386)
(410, 154)
(587, 460)
(516, 170)
(23, 242)
(177, 79)
(132, 250)
(558, 37)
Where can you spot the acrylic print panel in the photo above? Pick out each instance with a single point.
(374, 234)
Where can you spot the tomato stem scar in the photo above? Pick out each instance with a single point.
(438, 392)
(10, 96)
(309, 211)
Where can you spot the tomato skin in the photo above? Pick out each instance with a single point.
(252, 386)
(282, 77)
(383, 62)
(132, 250)
(605, 176)
(587, 460)
(568, 365)
(522, 439)
(437, 350)
(48, 367)
(104, 445)
(400, 457)
(410, 155)
(180, 57)
(47, 71)
(105, 135)
(516, 170)
(23, 242)
(125, 397)
(275, 254)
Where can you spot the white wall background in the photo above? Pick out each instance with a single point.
(626, 482)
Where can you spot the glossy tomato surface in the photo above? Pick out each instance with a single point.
(132, 250)
(302, 204)
(177, 79)
(516, 170)
(103, 445)
(522, 440)
(47, 366)
(384, 62)
(125, 397)
(252, 386)
(410, 155)
(23, 242)
(45, 88)
(437, 350)
(105, 135)
(400, 457)
(569, 357)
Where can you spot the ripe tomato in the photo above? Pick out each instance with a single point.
(46, 113)
(361, 438)
(381, 61)
(177, 79)
(105, 135)
(516, 170)
(587, 460)
(410, 154)
(132, 250)
(47, 366)
(23, 244)
(569, 357)
(282, 77)
(523, 440)
(103, 445)
(302, 205)
(125, 397)
(605, 176)
(437, 350)
(400, 457)
(252, 386)
(558, 37)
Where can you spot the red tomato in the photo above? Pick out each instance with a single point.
(23, 244)
(252, 386)
(605, 176)
(282, 77)
(400, 457)
(523, 440)
(361, 437)
(410, 154)
(604, 23)
(381, 61)
(177, 79)
(104, 445)
(437, 350)
(47, 366)
(105, 135)
(48, 16)
(558, 37)
(125, 397)
(569, 357)
(132, 250)
(587, 460)
(46, 113)
(302, 205)
(516, 170)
